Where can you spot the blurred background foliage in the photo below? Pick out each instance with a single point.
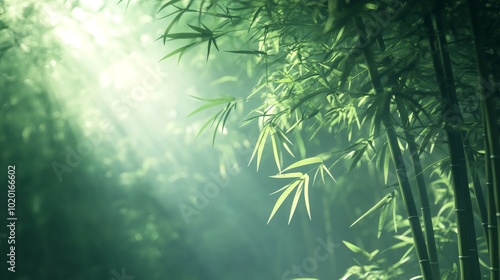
(104, 169)
(111, 176)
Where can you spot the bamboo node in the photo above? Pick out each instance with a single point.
(461, 210)
(423, 260)
(493, 269)
(494, 156)
(492, 226)
(463, 257)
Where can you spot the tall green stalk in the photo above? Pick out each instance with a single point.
(489, 115)
(397, 159)
(469, 261)
(492, 222)
(417, 168)
(422, 191)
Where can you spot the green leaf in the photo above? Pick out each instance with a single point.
(296, 200)
(288, 175)
(382, 218)
(275, 151)
(226, 98)
(205, 125)
(282, 198)
(184, 35)
(304, 162)
(254, 52)
(213, 102)
(167, 4)
(306, 195)
(357, 157)
(330, 174)
(355, 249)
(205, 32)
(179, 50)
(259, 146)
(386, 199)
(171, 25)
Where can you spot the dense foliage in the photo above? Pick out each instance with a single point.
(394, 78)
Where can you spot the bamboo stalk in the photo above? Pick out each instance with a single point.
(397, 159)
(422, 190)
(417, 168)
(492, 222)
(458, 161)
(489, 115)
(469, 262)
(478, 190)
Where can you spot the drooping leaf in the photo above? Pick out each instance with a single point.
(355, 249)
(386, 199)
(304, 162)
(180, 51)
(167, 4)
(275, 151)
(295, 201)
(211, 103)
(306, 195)
(330, 174)
(282, 197)
(288, 175)
(382, 219)
(254, 52)
(259, 146)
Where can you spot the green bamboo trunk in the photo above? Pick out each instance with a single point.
(417, 168)
(397, 159)
(489, 114)
(469, 262)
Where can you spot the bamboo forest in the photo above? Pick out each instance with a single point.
(250, 139)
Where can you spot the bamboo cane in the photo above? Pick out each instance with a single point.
(397, 159)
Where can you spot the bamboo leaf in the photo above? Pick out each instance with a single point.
(223, 99)
(184, 35)
(382, 219)
(254, 52)
(206, 106)
(261, 147)
(357, 157)
(330, 174)
(282, 198)
(386, 199)
(167, 4)
(179, 50)
(281, 189)
(259, 140)
(296, 200)
(275, 151)
(287, 149)
(355, 249)
(205, 125)
(288, 175)
(255, 15)
(306, 194)
(205, 32)
(304, 162)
